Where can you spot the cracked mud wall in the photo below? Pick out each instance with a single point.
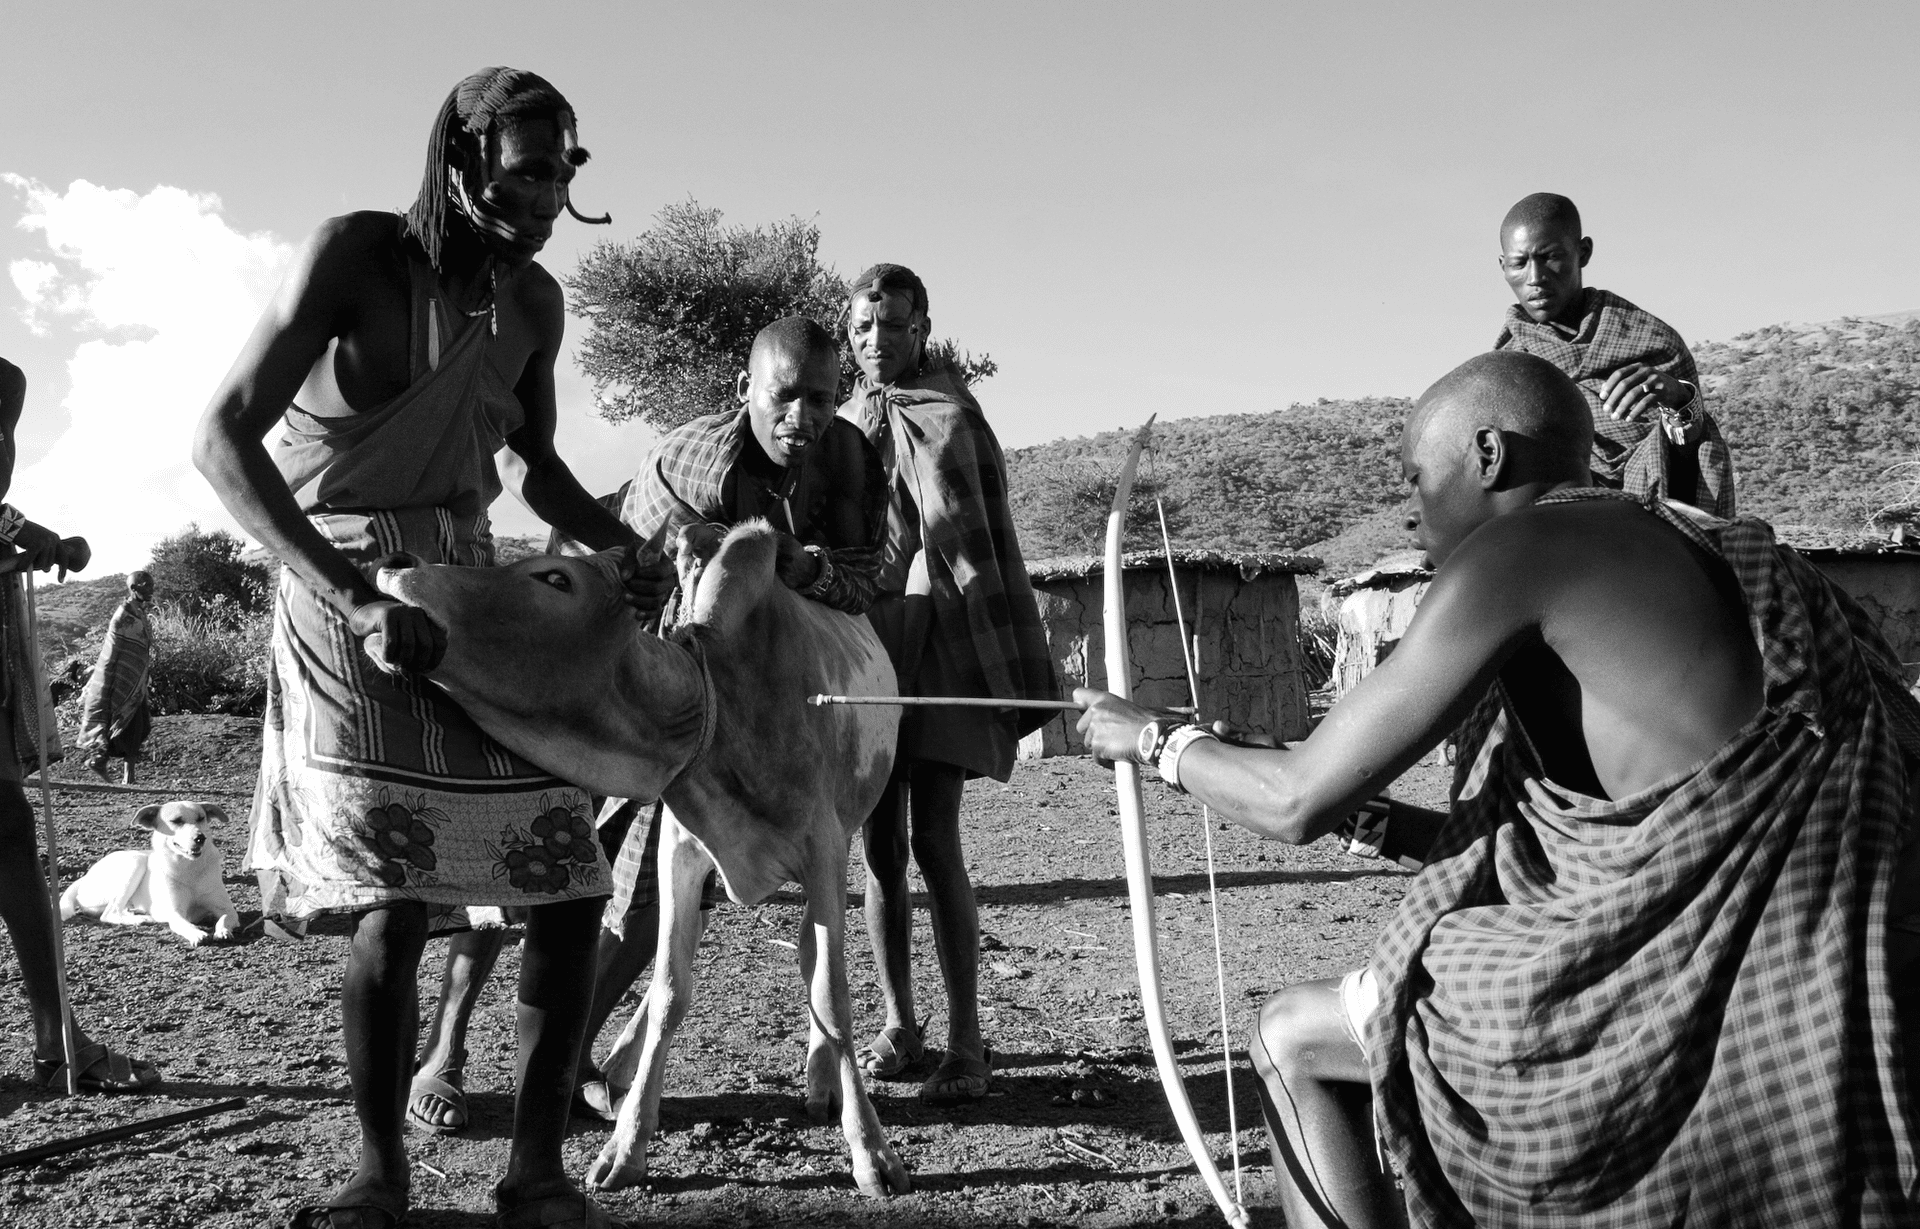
(1249, 650)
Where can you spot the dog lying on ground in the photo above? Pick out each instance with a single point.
(175, 880)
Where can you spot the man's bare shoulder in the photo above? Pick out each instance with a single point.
(1516, 566)
(540, 299)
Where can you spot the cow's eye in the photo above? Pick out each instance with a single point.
(559, 580)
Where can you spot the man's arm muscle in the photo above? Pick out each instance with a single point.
(312, 307)
(546, 484)
(1480, 608)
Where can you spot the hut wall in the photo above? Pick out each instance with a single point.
(1371, 621)
(1887, 586)
(1249, 651)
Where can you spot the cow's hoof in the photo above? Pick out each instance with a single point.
(881, 1174)
(614, 1170)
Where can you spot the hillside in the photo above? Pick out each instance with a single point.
(1816, 416)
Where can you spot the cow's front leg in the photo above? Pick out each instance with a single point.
(823, 957)
(683, 869)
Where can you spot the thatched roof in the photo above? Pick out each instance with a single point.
(1248, 566)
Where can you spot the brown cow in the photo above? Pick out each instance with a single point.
(546, 657)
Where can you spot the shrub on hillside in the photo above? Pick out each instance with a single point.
(671, 315)
(213, 661)
(200, 572)
(1818, 418)
(1061, 508)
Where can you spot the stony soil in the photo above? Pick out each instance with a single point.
(1075, 1133)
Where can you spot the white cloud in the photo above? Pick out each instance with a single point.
(178, 289)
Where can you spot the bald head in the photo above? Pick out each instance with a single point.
(1544, 212)
(795, 336)
(1523, 397)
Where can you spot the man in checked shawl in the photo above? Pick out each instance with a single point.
(402, 352)
(1651, 429)
(1661, 961)
(114, 716)
(958, 617)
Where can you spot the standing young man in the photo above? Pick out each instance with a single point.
(402, 352)
(114, 716)
(958, 617)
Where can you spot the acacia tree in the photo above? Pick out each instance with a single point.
(671, 315)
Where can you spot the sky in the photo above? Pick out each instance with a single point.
(1136, 209)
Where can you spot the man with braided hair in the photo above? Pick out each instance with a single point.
(401, 354)
(1652, 433)
(958, 617)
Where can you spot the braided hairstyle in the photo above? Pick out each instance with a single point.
(488, 99)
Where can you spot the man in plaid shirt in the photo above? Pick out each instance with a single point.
(1658, 965)
(1633, 368)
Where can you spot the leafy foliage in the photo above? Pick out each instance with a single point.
(213, 661)
(201, 573)
(671, 315)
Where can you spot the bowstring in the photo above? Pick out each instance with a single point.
(1189, 651)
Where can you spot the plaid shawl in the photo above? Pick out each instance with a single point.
(113, 708)
(1611, 334)
(684, 482)
(1673, 1007)
(950, 465)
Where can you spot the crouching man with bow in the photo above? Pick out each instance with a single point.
(1659, 964)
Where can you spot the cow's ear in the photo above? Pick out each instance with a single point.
(213, 810)
(148, 817)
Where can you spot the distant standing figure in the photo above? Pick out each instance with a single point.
(1634, 370)
(958, 616)
(115, 717)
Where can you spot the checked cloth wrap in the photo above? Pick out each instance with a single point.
(1673, 1007)
(1611, 334)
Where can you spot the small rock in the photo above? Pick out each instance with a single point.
(1006, 970)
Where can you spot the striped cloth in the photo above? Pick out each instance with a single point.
(375, 788)
(23, 692)
(114, 717)
(1611, 334)
(1674, 1007)
(949, 477)
(696, 476)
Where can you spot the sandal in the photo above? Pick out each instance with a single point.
(369, 1207)
(448, 1092)
(102, 1070)
(959, 1080)
(571, 1209)
(895, 1049)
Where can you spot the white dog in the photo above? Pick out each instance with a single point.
(176, 880)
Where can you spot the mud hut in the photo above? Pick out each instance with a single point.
(1242, 611)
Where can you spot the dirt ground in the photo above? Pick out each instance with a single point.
(1076, 1131)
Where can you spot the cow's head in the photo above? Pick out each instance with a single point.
(548, 658)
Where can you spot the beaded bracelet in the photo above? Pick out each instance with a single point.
(1175, 747)
(12, 521)
(1365, 831)
(820, 583)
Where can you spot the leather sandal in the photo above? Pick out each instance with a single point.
(102, 1070)
(894, 1050)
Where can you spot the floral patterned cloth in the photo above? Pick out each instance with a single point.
(375, 788)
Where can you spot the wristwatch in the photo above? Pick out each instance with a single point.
(1152, 740)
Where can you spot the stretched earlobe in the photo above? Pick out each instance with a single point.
(743, 387)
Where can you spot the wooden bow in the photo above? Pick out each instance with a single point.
(1133, 833)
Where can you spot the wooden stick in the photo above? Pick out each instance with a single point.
(105, 787)
(106, 1135)
(28, 689)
